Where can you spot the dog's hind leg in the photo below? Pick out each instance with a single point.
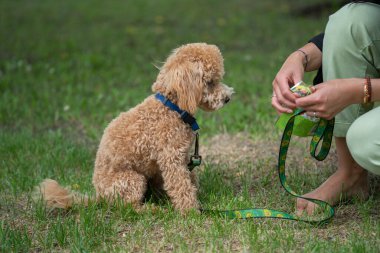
(128, 185)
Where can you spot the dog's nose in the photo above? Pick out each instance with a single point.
(226, 100)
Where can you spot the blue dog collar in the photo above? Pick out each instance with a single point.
(185, 116)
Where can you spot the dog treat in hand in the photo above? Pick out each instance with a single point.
(301, 89)
(304, 125)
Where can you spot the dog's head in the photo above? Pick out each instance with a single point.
(191, 77)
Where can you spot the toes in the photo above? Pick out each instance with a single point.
(301, 206)
(310, 208)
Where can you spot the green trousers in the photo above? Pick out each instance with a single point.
(351, 48)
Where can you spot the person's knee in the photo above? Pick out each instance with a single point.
(363, 146)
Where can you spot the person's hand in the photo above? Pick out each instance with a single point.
(291, 72)
(329, 98)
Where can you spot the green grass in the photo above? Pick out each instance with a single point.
(67, 68)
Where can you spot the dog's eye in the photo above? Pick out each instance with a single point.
(210, 83)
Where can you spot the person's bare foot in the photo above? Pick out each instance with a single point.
(339, 186)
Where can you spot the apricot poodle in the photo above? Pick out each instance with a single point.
(152, 141)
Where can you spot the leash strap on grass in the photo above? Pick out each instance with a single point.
(323, 133)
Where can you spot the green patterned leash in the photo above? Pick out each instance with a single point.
(322, 133)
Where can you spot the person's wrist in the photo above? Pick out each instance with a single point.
(299, 58)
(304, 57)
(355, 92)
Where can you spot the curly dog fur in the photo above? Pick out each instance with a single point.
(150, 141)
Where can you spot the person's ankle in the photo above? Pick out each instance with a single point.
(354, 171)
(359, 172)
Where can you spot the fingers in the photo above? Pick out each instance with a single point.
(284, 95)
(290, 72)
(307, 101)
(313, 89)
(320, 114)
(315, 105)
(316, 114)
(313, 114)
(283, 99)
(279, 108)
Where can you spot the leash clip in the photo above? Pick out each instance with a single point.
(196, 159)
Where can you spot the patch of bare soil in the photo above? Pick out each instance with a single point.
(240, 148)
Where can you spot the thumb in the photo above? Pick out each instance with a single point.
(297, 77)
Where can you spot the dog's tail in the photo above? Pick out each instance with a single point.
(57, 196)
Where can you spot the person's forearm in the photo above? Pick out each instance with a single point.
(355, 90)
(331, 97)
(375, 89)
(310, 56)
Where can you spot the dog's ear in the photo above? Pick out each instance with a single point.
(185, 80)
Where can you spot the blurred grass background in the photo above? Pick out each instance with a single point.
(79, 63)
